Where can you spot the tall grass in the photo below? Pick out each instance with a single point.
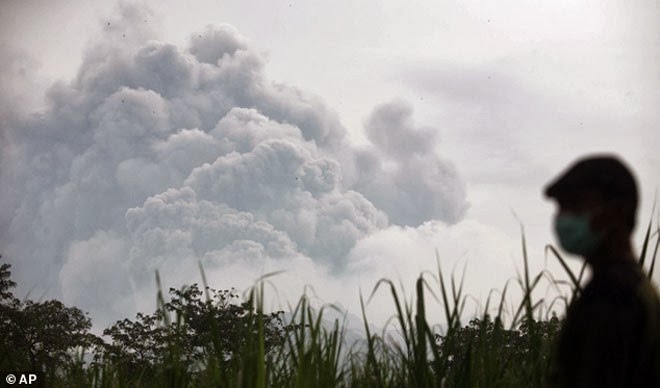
(482, 352)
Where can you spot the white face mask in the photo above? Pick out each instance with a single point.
(575, 234)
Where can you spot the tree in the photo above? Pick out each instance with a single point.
(501, 357)
(8, 306)
(188, 331)
(40, 336)
(5, 283)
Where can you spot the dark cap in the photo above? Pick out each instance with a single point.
(603, 173)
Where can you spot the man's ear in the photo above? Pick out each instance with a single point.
(610, 217)
(624, 215)
(603, 217)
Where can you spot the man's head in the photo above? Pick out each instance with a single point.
(597, 198)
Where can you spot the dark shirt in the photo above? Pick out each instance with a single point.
(611, 335)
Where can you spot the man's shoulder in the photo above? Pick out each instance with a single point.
(624, 289)
(624, 295)
(620, 278)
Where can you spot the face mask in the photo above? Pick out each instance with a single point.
(575, 235)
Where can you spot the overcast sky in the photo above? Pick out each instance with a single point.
(341, 141)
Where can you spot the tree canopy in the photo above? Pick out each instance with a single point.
(40, 336)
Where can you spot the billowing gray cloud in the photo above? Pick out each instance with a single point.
(402, 173)
(157, 156)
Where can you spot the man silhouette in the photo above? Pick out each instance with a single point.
(611, 334)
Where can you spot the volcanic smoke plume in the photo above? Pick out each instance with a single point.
(157, 157)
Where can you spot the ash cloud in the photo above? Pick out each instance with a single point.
(401, 172)
(156, 157)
